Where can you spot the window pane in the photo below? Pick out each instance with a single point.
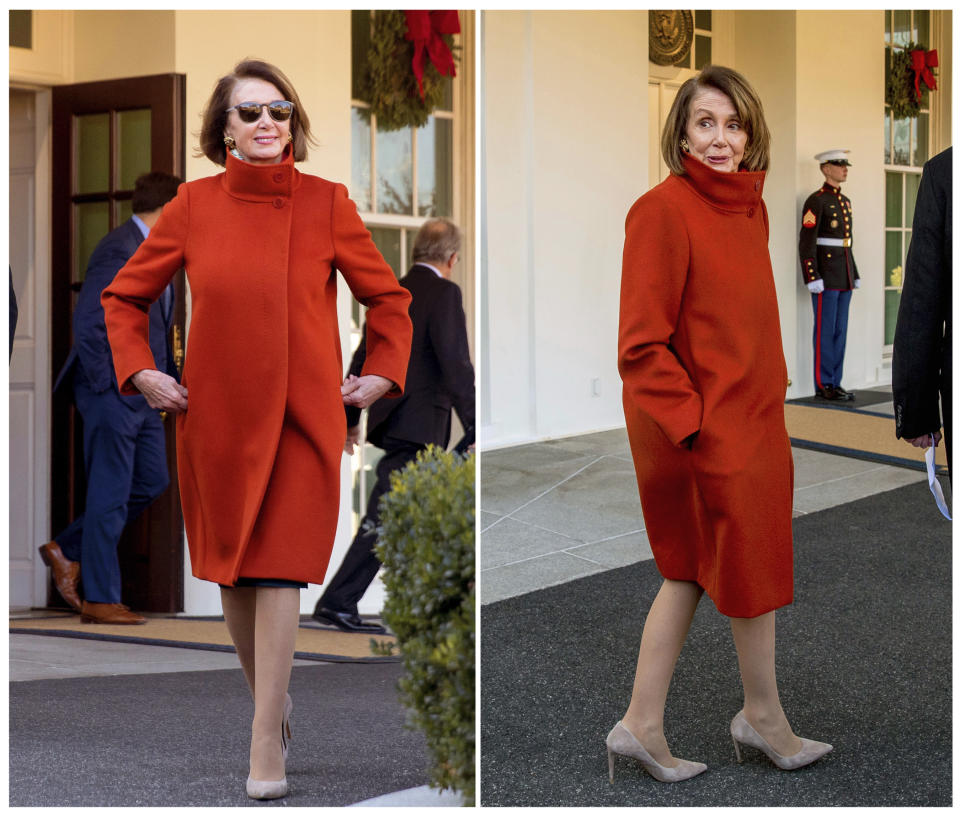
(92, 222)
(894, 199)
(360, 44)
(891, 303)
(901, 28)
(411, 237)
(435, 168)
(387, 240)
(702, 20)
(887, 63)
(93, 153)
(21, 29)
(901, 141)
(395, 172)
(360, 160)
(133, 131)
(447, 101)
(921, 139)
(703, 46)
(921, 22)
(887, 24)
(123, 210)
(887, 116)
(913, 184)
(893, 266)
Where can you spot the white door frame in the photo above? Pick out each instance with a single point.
(30, 367)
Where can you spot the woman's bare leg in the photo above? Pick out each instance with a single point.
(239, 612)
(755, 638)
(277, 619)
(663, 636)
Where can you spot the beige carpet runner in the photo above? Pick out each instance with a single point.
(312, 643)
(856, 434)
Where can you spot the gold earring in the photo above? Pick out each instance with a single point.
(289, 138)
(228, 140)
(684, 144)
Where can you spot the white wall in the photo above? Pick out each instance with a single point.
(566, 153)
(565, 157)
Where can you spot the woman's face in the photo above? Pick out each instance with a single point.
(714, 131)
(262, 141)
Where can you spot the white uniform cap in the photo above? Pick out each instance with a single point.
(833, 155)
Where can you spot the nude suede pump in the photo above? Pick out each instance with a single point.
(621, 741)
(743, 733)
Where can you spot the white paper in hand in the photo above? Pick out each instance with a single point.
(935, 487)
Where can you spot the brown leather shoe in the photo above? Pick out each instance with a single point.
(110, 613)
(66, 572)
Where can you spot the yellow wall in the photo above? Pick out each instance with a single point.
(313, 50)
(114, 44)
(840, 104)
(765, 52)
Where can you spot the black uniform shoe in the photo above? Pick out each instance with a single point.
(828, 392)
(346, 621)
(845, 395)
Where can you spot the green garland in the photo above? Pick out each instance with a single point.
(387, 83)
(901, 92)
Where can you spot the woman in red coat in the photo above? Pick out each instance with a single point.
(704, 381)
(260, 437)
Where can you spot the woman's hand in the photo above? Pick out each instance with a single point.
(161, 391)
(363, 391)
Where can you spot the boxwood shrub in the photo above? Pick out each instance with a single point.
(426, 546)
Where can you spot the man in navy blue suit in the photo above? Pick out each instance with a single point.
(123, 443)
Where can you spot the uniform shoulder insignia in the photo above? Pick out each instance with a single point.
(809, 219)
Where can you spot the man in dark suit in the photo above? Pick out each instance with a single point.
(922, 355)
(123, 443)
(439, 377)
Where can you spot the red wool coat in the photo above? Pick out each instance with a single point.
(700, 353)
(259, 447)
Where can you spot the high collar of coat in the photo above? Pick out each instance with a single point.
(261, 182)
(732, 191)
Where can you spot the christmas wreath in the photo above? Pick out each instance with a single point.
(410, 54)
(909, 68)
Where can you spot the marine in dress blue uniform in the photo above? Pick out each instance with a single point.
(829, 271)
(123, 441)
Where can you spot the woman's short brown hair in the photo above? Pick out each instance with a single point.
(215, 112)
(756, 155)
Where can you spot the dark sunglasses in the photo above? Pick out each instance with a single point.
(249, 112)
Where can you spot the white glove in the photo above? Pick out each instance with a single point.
(816, 286)
(856, 283)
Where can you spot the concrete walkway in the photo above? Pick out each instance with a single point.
(563, 509)
(38, 658)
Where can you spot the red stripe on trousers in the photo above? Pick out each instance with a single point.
(816, 359)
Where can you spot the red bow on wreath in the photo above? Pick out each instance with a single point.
(424, 29)
(923, 61)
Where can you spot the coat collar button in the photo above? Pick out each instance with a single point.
(278, 203)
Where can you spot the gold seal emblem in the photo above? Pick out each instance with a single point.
(833, 224)
(671, 34)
